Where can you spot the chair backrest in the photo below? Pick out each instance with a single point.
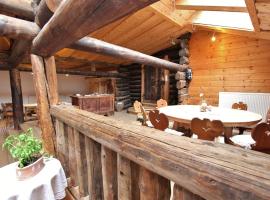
(137, 106)
(158, 120)
(144, 114)
(240, 106)
(267, 120)
(261, 134)
(206, 129)
(161, 103)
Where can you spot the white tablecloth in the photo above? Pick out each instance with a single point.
(48, 184)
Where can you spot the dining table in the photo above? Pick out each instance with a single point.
(229, 117)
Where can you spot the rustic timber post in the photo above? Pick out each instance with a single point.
(142, 83)
(40, 84)
(51, 75)
(166, 86)
(17, 100)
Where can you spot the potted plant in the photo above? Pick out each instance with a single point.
(27, 149)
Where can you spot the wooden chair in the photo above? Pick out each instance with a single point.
(161, 122)
(268, 116)
(145, 121)
(7, 110)
(206, 129)
(240, 106)
(137, 109)
(259, 140)
(161, 103)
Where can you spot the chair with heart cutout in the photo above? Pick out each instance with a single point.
(207, 130)
(259, 140)
(161, 122)
(240, 106)
(161, 103)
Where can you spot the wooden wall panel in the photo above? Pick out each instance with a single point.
(231, 63)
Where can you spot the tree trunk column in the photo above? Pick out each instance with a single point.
(17, 100)
(40, 84)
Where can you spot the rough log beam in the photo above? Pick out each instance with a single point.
(40, 84)
(96, 46)
(89, 73)
(64, 27)
(21, 8)
(101, 47)
(17, 28)
(17, 100)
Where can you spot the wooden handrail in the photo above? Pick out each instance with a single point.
(210, 170)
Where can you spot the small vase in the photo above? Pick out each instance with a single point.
(30, 170)
(203, 106)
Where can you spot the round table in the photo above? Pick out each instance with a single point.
(229, 117)
(50, 183)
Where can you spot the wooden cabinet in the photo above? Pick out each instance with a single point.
(99, 104)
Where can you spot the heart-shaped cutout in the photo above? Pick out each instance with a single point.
(261, 134)
(158, 120)
(206, 129)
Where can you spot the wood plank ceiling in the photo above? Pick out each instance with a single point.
(153, 28)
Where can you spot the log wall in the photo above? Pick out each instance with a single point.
(114, 160)
(231, 63)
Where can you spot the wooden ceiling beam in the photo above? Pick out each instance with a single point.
(97, 46)
(21, 8)
(211, 5)
(253, 14)
(17, 28)
(65, 27)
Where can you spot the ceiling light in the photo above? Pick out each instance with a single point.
(213, 38)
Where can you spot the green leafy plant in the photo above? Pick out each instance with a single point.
(25, 147)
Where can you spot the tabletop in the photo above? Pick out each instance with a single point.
(48, 184)
(229, 117)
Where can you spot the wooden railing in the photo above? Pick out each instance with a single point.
(108, 159)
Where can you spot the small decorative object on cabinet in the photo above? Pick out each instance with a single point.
(203, 105)
(27, 149)
(102, 104)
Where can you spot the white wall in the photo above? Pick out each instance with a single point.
(67, 85)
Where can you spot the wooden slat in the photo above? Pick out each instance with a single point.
(180, 193)
(72, 158)
(183, 160)
(153, 186)
(253, 14)
(94, 172)
(109, 173)
(211, 5)
(61, 145)
(81, 162)
(124, 178)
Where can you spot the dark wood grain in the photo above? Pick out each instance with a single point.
(64, 27)
(17, 100)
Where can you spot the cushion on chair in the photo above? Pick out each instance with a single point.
(243, 140)
(173, 132)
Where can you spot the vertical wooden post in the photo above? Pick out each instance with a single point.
(142, 83)
(109, 173)
(45, 119)
(51, 75)
(166, 87)
(17, 100)
(94, 172)
(152, 186)
(124, 178)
